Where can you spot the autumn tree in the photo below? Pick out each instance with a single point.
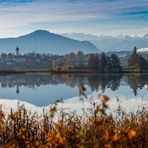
(4, 56)
(70, 59)
(137, 62)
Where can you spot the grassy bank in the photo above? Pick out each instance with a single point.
(22, 129)
(17, 71)
(72, 70)
(67, 70)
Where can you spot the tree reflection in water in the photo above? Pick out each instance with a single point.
(95, 82)
(137, 81)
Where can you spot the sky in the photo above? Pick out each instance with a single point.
(97, 17)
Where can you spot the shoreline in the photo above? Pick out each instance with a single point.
(20, 71)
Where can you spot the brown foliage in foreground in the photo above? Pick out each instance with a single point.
(22, 129)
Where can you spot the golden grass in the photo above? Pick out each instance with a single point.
(23, 129)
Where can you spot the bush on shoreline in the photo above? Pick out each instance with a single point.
(23, 129)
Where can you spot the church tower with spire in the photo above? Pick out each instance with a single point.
(17, 50)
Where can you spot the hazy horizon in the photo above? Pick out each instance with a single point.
(96, 17)
(77, 33)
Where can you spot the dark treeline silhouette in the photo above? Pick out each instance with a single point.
(91, 62)
(95, 82)
(103, 63)
(99, 62)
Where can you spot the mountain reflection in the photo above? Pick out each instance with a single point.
(95, 82)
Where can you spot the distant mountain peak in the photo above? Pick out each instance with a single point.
(41, 31)
(46, 42)
(38, 33)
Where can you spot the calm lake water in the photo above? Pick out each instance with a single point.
(43, 89)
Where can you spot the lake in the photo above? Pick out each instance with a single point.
(42, 89)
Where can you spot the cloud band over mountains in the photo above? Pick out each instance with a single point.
(95, 16)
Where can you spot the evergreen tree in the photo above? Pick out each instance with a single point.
(103, 62)
(93, 62)
(96, 62)
(133, 59)
(135, 50)
(109, 64)
(115, 63)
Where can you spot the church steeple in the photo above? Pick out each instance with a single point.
(17, 50)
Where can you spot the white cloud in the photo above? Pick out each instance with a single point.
(94, 16)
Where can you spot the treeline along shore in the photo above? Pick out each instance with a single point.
(73, 63)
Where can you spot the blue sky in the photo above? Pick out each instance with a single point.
(107, 17)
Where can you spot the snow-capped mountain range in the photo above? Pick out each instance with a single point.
(112, 43)
(142, 50)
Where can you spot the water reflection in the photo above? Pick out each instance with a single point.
(137, 82)
(95, 82)
(104, 81)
